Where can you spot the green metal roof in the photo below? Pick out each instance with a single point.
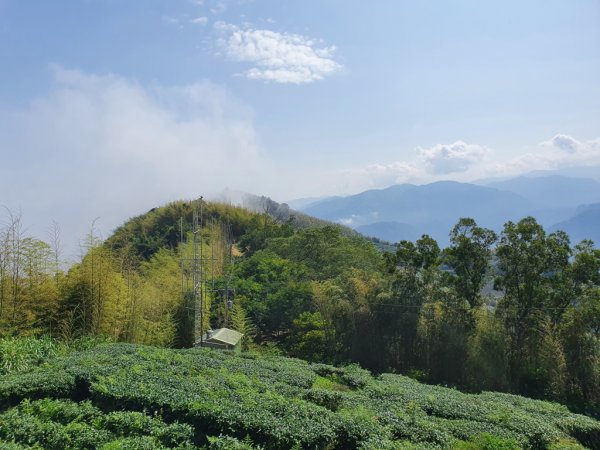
(225, 335)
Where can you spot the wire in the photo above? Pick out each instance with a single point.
(397, 305)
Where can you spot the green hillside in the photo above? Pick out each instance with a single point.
(126, 396)
(327, 297)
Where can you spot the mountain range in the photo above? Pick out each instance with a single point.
(407, 211)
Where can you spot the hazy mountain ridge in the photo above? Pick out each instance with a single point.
(585, 224)
(553, 191)
(390, 230)
(407, 211)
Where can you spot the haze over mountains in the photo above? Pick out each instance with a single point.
(406, 211)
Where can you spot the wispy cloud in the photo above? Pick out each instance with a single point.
(199, 21)
(277, 57)
(452, 158)
(571, 146)
(103, 145)
(561, 151)
(427, 164)
(465, 162)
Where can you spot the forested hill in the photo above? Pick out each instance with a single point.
(161, 227)
(326, 296)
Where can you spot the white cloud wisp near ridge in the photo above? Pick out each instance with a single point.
(451, 158)
(103, 145)
(466, 162)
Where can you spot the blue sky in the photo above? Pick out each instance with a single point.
(110, 107)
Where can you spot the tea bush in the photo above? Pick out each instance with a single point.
(122, 396)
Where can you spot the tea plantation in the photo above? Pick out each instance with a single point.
(123, 396)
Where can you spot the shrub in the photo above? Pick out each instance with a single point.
(21, 354)
(331, 400)
(131, 396)
(566, 444)
(487, 441)
(228, 443)
(134, 443)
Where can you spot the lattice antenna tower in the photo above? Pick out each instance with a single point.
(192, 271)
(197, 275)
(198, 271)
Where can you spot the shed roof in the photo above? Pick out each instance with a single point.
(225, 335)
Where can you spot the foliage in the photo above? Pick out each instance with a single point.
(20, 354)
(308, 289)
(130, 396)
(487, 441)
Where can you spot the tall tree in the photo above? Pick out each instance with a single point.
(532, 266)
(469, 258)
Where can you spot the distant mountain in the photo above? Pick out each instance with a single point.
(585, 224)
(360, 208)
(572, 172)
(391, 231)
(432, 208)
(300, 203)
(592, 172)
(407, 211)
(553, 191)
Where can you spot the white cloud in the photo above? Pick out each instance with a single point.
(107, 146)
(200, 21)
(277, 57)
(572, 146)
(564, 142)
(561, 151)
(465, 162)
(461, 161)
(452, 158)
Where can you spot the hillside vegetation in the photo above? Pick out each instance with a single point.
(124, 396)
(326, 296)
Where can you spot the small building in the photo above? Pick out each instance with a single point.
(222, 339)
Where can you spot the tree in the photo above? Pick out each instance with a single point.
(97, 292)
(396, 312)
(469, 258)
(242, 323)
(533, 269)
(581, 340)
(309, 338)
(488, 350)
(423, 254)
(28, 296)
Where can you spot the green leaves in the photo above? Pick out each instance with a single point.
(469, 258)
(142, 397)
